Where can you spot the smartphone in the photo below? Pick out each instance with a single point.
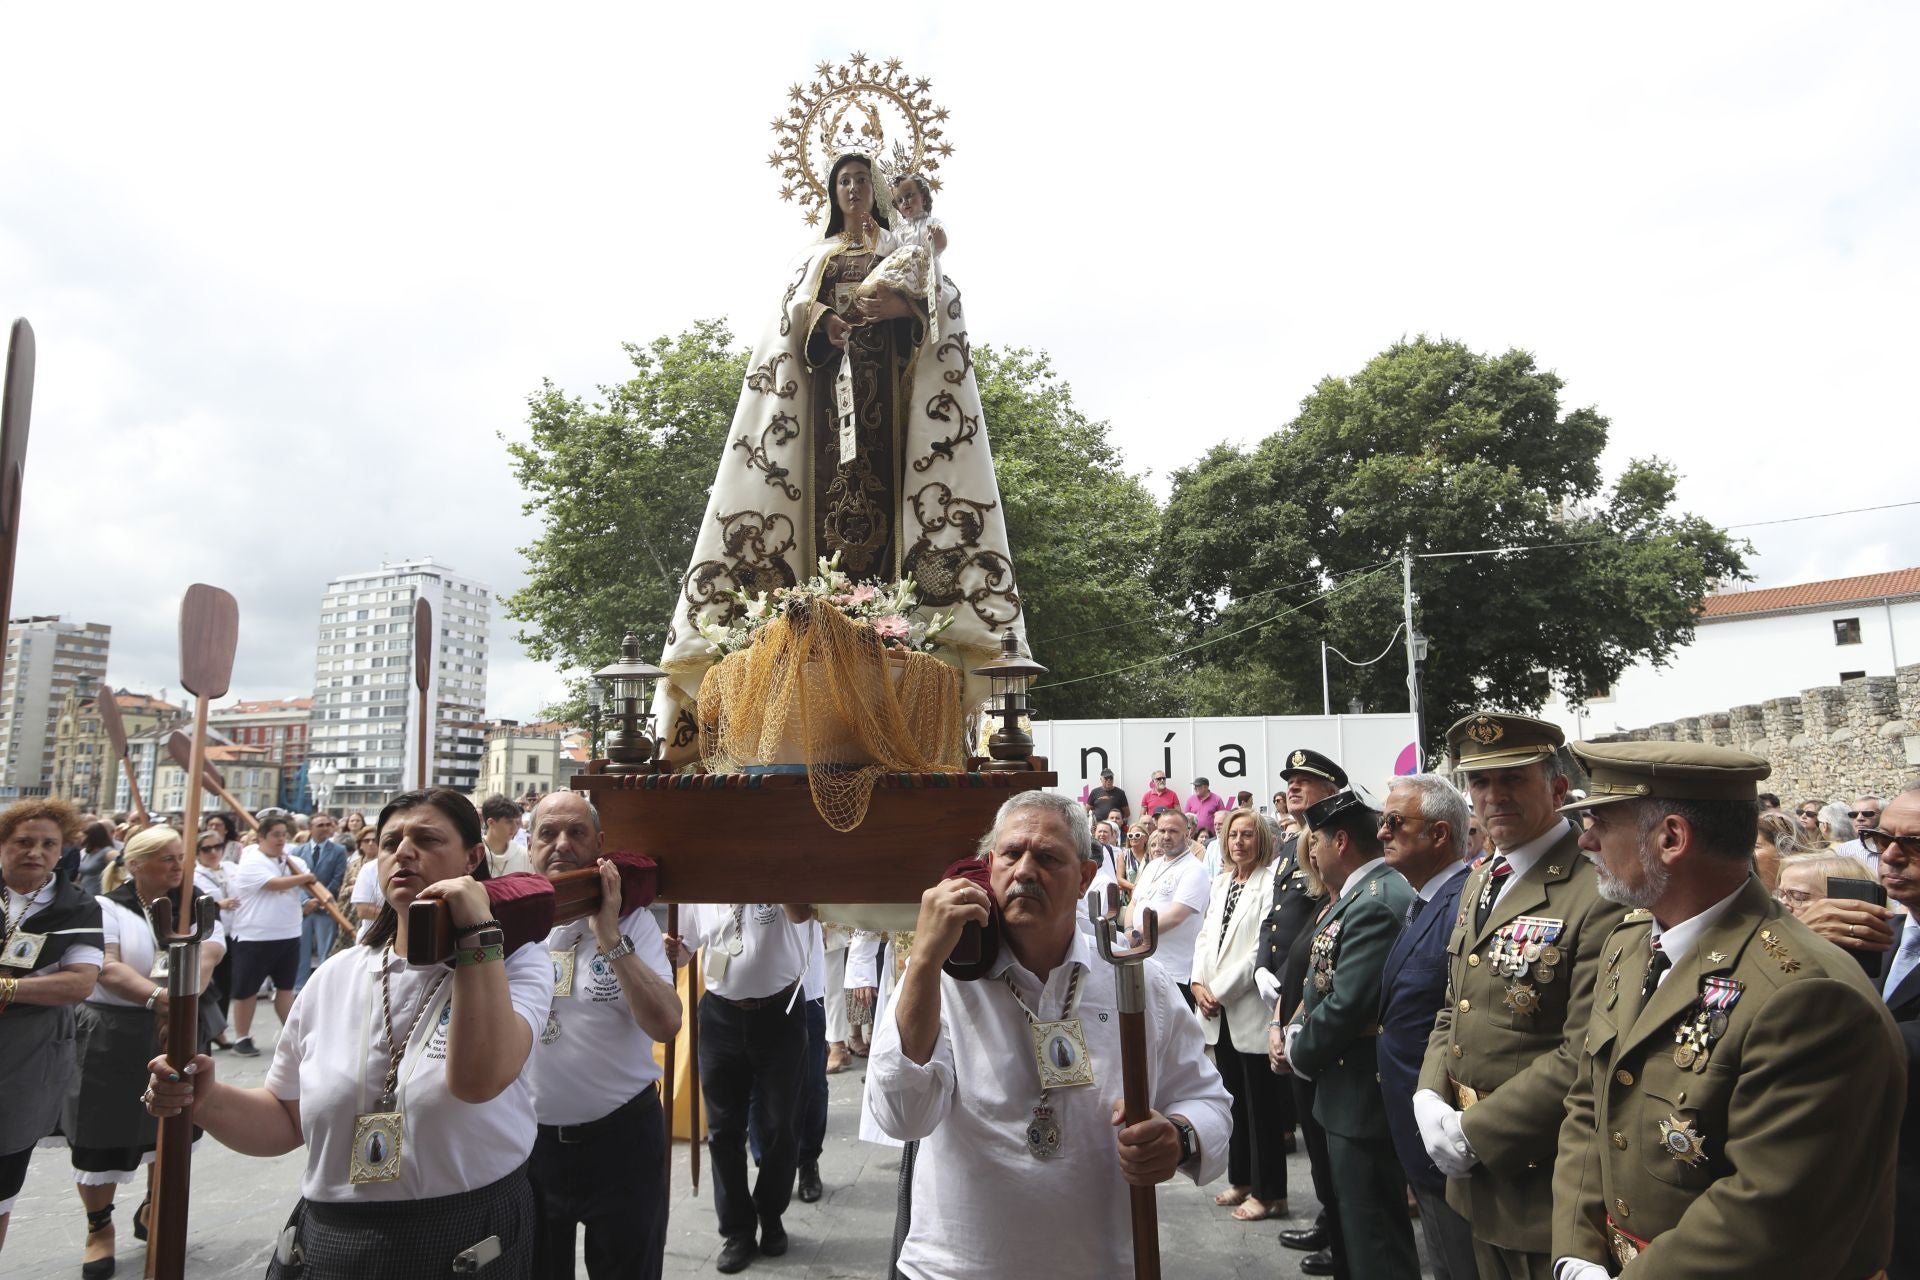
(1856, 889)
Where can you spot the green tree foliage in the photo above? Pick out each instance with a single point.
(620, 485)
(1456, 451)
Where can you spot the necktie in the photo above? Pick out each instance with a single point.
(1414, 909)
(1905, 958)
(1490, 890)
(1660, 963)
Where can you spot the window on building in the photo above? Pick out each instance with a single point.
(533, 764)
(1852, 675)
(1846, 631)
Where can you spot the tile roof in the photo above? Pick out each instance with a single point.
(141, 702)
(1813, 595)
(261, 706)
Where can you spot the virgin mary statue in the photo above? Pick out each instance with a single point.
(858, 435)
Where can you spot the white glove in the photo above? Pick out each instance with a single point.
(1440, 1134)
(1291, 1034)
(1578, 1269)
(1267, 985)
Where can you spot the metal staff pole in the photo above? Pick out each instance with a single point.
(1130, 994)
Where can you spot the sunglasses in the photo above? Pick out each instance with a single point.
(1863, 813)
(210, 848)
(1878, 842)
(1394, 821)
(1809, 813)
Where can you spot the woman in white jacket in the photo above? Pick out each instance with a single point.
(1234, 1018)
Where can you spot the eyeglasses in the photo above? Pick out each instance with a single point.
(1878, 842)
(209, 848)
(1863, 813)
(1793, 897)
(1394, 821)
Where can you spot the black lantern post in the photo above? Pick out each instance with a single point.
(1011, 745)
(596, 698)
(629, 688)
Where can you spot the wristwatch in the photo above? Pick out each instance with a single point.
(624, 947)
(1189, 1140)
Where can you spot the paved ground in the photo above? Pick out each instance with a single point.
(240, 1204)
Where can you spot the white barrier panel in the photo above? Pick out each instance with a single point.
(1234, 753)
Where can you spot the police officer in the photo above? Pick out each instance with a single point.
(1525, 944)
(1309, 777)
(1736, 1085)
(1333, 1039)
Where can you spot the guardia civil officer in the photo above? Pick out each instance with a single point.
(1525, 943)
(1739, 1082)
(1334, 1036)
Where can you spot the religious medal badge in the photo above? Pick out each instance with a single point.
(22, 949)
(1060, 1053)
(379, 1136)
(563, 962)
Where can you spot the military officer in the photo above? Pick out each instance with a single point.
(1309, 777)
(1738, 1082)
(1332, 1039)
(1525, 944)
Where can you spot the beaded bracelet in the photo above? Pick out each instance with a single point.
(464, 930)
(479, 955)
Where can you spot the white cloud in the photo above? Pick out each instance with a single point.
(292, 273)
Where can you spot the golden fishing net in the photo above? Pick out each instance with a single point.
(818, 689)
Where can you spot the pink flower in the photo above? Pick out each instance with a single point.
(892, 627)
(865, 593)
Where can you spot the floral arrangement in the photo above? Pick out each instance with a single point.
(890, 609)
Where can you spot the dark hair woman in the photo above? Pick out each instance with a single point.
(96, 851)
(50, 954)
(405, 1084)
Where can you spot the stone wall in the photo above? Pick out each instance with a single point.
(1829, 743)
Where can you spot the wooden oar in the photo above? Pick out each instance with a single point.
(423, 647)
(209, 632)
(693, 1082)
(666, 1084)
(16, 415)
(116, 729)
(180, 751)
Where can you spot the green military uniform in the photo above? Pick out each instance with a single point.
(1495, 1051)
(1339, 1020)
(1741, 1121)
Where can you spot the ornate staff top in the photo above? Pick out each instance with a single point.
(861, 106)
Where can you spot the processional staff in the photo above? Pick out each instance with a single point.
(1130, 995)
(209, 632)
(109, 708)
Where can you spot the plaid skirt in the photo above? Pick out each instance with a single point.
(411, 1239)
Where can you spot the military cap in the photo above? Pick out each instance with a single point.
(1667, 771)
(1310, 762)
(1322, 813)
(1499, 740)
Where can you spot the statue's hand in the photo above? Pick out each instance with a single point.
(837, 330)
(882, 304)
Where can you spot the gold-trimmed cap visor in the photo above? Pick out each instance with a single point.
(1501, 740)
(1665, 770)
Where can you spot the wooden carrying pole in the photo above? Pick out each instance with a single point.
(423, 647)
(16, 415)
(1130, 996)
(209, 632)
(180, 751)
(109, 707)
(666, 1081)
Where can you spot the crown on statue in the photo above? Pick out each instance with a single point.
(861, 107)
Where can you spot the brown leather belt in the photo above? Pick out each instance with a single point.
(779, 997)
(1465, 1094)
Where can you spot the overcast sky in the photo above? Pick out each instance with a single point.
(294, 270)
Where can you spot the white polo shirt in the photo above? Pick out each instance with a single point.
(266, 915)
(133, 934)
(332, 1058)
(366, 892)
(592, 1057)
(774, 951)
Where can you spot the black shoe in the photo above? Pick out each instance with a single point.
(99, 1268)
(140, 1220)
(735, 1255)
(1310, 1240)
(810, 1189)
(244, 1047)
(773, 1238)
(1317, 1264)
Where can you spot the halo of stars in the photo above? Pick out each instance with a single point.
(845, 104)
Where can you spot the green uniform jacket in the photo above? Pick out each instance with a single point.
(1786, 1134)
(1340, 1026)
(1518, 1061)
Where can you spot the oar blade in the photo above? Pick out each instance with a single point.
(422, 644)
(16, 416)
(180, 751)
(109, 709)
(209, 632)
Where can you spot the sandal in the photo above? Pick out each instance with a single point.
(1232, 1196)
(1260, 1210)
(98, 1220)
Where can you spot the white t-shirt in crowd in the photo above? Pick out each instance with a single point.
(134, 936)
(1167, 881)
(774, 951)
(593, 1057)
(814, 985)
(213, 882)
(515, 859)
(366, 892)
(332, 1057)
(265, 915)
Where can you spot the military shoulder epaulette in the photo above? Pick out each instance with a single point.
(1373, 888)
(1639, 915)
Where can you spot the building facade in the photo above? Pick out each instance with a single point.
(1748, 646)
(530, 760)
(361, 737)
(47, 659)
(251, 778)
(280, 727)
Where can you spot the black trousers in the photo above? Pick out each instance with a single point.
(1321, 1167)
(1257, 1151)
(608, 1176)
(812, 1114)
(742, 1050)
